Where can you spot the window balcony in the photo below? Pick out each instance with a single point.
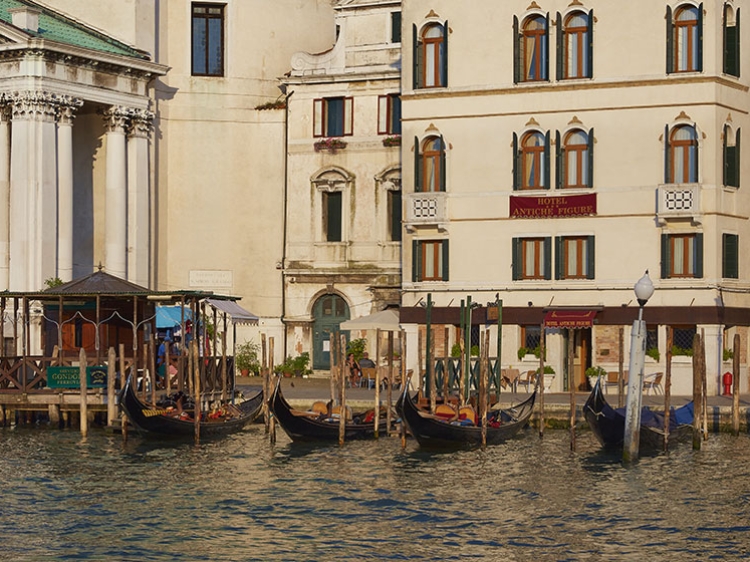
(426, 209)
(678, 201)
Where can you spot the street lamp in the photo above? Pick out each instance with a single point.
(644, 288)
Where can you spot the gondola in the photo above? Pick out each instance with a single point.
(156, 420)
(430, 431)
(608, 423)
(309, 427)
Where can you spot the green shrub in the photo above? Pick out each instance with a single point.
(653, 352)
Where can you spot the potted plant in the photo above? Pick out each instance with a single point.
(357, 347)
(294, 366)
(593, 373)
(246, 358)
(331, 144)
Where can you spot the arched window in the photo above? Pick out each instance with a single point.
(575, 47)
(429, 166)
(531, 167)
(532, 49)
(431, 56)
(682, 150)
(684, 39)
(575, 159)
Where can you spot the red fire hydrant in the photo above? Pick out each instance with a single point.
(727, 382)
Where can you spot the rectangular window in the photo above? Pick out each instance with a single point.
(532, 258)
(208, 40)
(731, 41)
(682, 255)
(333, 117)
(730, 256)
(394, 214)
(395, 27)
(531, 336)
(652, 340)
(389, 114)
(430, 260)
(332, 216)
(682, 340)
(574, 257)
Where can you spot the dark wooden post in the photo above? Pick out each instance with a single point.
(266, 382)
(484, 363)
(389, 390)
(736, 384)
(572, 389)
(152, 367)
(542, 345)
(377, 384)
(111, 369)
(84, 411)
(404, 382)
(697, 393)
(123, 415)
(668, 388)
(196, 390)
(224, 378)
(703, 384)
(272, 420)
(342, 404)
(621, 372)
(446, 370)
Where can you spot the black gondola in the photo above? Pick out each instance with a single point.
(608, 423)
(156, 420)
(433, 432)
(310, 427)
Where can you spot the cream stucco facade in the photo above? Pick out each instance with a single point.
(551, 153)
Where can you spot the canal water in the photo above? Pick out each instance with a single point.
(241, 498)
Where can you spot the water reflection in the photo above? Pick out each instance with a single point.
(243, 499)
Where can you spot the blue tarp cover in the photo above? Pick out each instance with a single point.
(171, 316)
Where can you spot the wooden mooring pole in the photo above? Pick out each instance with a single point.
(196, 390)
(697, 393)
(668, 387)
(111, 370)
(572, 385)
(541, 388)
(272, 420)
(736, 385)
(342, 404)
(84, 411)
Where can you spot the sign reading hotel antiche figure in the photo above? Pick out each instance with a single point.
(523, 207)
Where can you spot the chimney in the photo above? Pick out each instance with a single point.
(26, 18)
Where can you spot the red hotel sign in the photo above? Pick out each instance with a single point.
(569, 318)
(552, 207)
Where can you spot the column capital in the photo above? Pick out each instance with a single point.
(116, 118)
(33, 105)
(141, 123)
(67, 107)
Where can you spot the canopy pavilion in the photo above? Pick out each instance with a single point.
(100, 312)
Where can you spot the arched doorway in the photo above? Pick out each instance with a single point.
(328, 312)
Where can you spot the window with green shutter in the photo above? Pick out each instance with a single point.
(731, 175)
(730, 256)
(682, 255)
(332, 216)
(574, 257)
(731, 36)
(532, 258)
(430, 260)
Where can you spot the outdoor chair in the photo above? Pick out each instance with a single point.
(368, 377)
(528, 378)
(611, 379)
(653, 382)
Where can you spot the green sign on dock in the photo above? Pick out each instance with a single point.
(68, 377)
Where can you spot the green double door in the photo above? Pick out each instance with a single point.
(329, 312)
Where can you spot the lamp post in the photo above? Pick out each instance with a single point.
(644, 288)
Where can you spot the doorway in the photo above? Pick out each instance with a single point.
(581, 341)
(328, 312)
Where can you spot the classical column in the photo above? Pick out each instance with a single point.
(66, 113)
(116, 200)
(4, 198)
(139, 195)
(33, 190)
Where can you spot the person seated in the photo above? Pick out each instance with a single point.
(355, 372)
(366, 362)
(178, 411)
